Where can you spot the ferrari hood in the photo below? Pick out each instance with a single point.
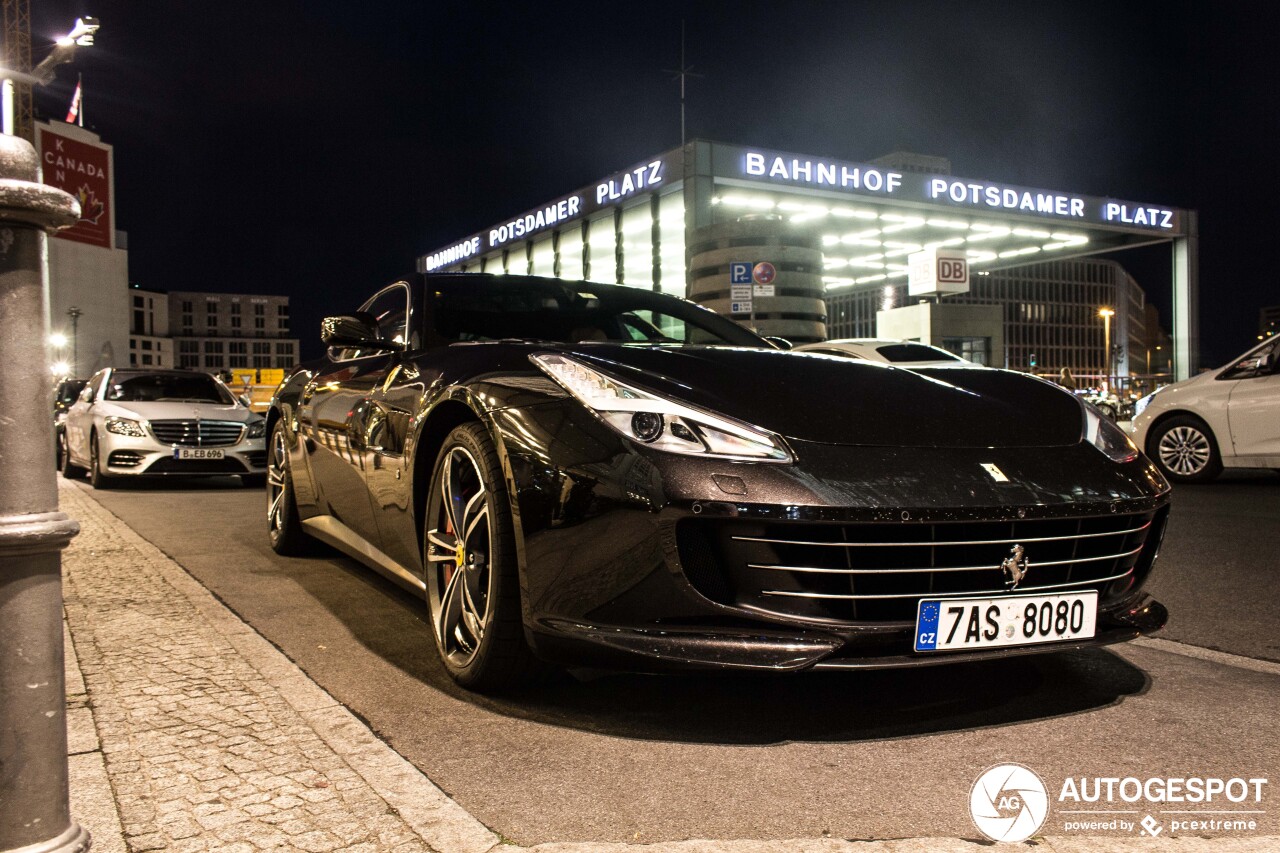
(834, 400)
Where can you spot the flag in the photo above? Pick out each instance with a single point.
(73, 114)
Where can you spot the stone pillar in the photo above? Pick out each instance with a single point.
(34, 812)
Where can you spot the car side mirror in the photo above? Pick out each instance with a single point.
(246, 401)
(355, 330)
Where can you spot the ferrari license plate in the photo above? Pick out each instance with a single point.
(197, 453)
(952, 624)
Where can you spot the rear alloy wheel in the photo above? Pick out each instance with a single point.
(1184, 449)
(469, 554)
(98, 478)
(284, 526)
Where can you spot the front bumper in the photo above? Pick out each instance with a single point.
(676, 648)
(610, 579)
(130, 456)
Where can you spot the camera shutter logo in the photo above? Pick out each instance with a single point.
(1008, 803)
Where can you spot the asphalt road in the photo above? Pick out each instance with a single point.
(863, 755)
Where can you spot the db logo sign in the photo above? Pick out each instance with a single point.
(953, 270)
(1008, 803)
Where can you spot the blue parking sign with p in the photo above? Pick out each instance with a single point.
(739, 272)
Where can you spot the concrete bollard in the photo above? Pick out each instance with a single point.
(35, 816)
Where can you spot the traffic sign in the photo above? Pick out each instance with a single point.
(764, 290)
(739, 272)
(740, 292)
(740, 307)
(764, 273)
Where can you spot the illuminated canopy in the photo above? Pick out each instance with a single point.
(870, 218)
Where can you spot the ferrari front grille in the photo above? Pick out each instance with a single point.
(877, 572)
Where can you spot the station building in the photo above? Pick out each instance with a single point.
(838, 235)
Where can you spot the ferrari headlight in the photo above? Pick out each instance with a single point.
(658, 422)
(124, 426)
(1107, 437)
(257, 429)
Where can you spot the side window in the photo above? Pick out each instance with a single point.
(390, 308)
(1260, 362)
(90, 391)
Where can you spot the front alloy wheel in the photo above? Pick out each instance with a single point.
(1185, 450)
(98, 478)
(469, 555)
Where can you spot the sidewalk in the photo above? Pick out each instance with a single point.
(189, 732)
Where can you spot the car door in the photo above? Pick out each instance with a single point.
(335, 412)
(1254, 405)
(393, 411)
(80, 418)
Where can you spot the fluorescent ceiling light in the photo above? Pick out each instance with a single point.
(851, 213)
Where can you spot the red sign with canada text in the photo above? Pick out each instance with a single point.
(84, 171)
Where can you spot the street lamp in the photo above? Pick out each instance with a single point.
(64, 49)
(74, 313)
(1106, 314)
(60, 366)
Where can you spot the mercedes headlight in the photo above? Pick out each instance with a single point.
(124, 426)
(258, 428)
(1107, 437)
(658, 422)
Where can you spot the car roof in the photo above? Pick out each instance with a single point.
(870, 348)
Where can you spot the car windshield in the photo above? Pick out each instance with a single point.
(166, 387)
(914, 352)
(482, 308)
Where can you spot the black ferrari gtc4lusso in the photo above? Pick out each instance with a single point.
(595, 475)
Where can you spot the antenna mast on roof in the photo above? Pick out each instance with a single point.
(685, 71)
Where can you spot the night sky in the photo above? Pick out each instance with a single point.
(316, 149)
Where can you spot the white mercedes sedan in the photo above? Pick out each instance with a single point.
(130, 423)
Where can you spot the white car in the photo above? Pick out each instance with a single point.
(1229, 417)
(900, 353)
(132, 422)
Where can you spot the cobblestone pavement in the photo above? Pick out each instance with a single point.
(202, 750)
(189, 732)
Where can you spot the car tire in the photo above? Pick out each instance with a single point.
(70, 470)
(473, 591)
(284, 525)
(1185, 450)
(98, 478)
